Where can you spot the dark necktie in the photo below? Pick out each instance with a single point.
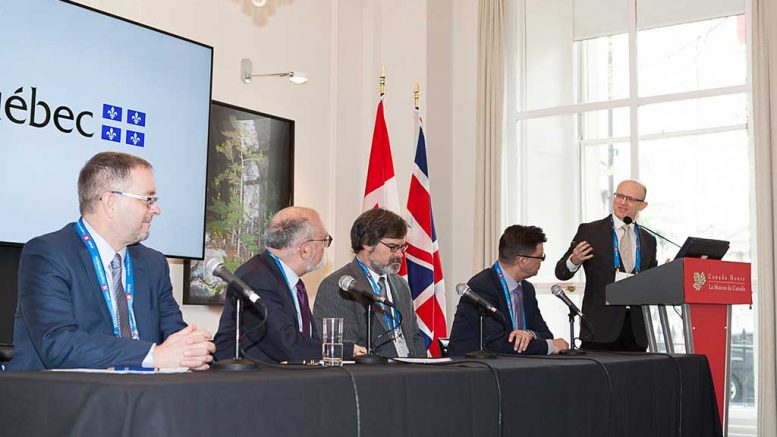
(517, 298)
(304, 307)
(122, 310)
(384, 293)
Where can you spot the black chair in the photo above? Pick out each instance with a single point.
(443, 343)
(6, 352)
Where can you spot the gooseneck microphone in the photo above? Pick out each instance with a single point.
(348, 283)
(216, 268)
(465, 291)
(628, 220)
(559, 293)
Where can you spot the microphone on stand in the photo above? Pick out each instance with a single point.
(216, 268)
(628, 220)
(465, 291)
(348, 283)
(559, 293)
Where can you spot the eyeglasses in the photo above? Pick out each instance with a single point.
(394, 248)
(327, 241)
(540, 257)
(628, 199)
(150, 200)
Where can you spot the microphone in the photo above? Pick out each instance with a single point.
(559, 293)
(216, 268)
(348, 283)
(465, 291)
(628, 220)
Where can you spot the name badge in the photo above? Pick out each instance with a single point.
(619, 276)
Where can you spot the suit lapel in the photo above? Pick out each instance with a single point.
(142, 289)
(280, 279)
(94, 293)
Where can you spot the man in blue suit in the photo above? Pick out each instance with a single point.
(504, 286)
(91, 296)
(295, 240)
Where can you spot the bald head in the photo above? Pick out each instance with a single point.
(290, 227)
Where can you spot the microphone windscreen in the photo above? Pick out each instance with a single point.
(628, 220)
(212, 265)
(345, 282)
(461, 289)
(556, 290)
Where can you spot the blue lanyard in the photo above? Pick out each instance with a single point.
(293, 291)
(88, 241)
(389, 318)
(509, 300)
(616, 256)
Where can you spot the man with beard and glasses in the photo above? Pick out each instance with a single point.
(295, 239)
(92, 296)
(378, 240)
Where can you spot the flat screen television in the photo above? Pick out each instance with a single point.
(74, 82)
(695, 247)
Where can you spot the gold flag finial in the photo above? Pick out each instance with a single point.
(382, 80)
(417, 96)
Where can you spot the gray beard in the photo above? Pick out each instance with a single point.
(385, 270)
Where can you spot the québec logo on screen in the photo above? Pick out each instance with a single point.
(112, 119)
(117, 124)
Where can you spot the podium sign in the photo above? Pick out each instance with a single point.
(706, 289)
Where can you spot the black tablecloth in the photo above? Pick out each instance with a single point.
(599, 395)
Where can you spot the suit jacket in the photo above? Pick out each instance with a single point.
(279, 338)
(465, 333)
(331, 301)
(607, 321)
(62, 320)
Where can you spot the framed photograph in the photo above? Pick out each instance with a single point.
(250, 177)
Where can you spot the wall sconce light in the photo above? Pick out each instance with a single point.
(259, 3)
(247, 73)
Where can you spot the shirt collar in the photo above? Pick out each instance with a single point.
(512, 284)
(103, 248)
(618, 223)
(291, 275)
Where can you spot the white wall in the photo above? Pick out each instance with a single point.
(342, 44)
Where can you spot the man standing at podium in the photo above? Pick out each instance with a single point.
(611, 249)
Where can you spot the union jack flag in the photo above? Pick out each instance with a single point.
(424, 268)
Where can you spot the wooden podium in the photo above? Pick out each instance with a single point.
(706, 289)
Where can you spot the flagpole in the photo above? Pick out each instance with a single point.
(417, 96)
(382, 86)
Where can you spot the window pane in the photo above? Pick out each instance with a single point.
(551, 156)
(692, 56)
(710, 112)
(604, 124)
(548, 41)
(603, 167)
(698, 186)
(604, 68)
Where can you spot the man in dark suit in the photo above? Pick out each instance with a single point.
(91, 296)
(295, 239)
(378, 240)
(609, 249)
(504, 286)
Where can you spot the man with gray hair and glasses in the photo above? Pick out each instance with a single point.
(295, 240)
(92, 296)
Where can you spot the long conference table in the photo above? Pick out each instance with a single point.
(598, 395)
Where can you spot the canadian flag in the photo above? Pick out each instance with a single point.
(381, 188)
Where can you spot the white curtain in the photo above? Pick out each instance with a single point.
(765, 130)
(490, 113)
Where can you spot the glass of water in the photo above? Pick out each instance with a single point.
(332, 341)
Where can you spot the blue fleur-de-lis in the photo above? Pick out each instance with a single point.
(136, 118)
(112, 113)
(135, 139)
(110, 134)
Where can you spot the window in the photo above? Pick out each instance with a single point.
(657, 90)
